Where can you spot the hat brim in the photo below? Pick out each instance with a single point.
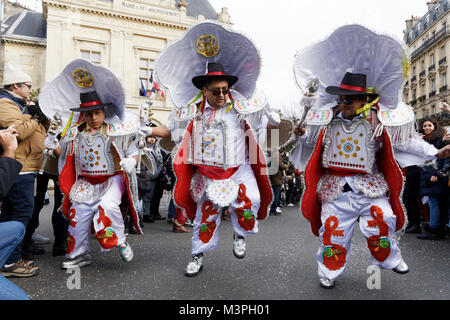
(338, 91)
(199, 81)
(92, 108)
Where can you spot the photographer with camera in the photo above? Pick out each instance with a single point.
(18, 204)
(12, 232)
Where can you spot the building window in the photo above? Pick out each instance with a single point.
(422, 65)
(433, 85)
(432, 59)
(93, 57)
(433, 109)
(443, 80)
(145, 70)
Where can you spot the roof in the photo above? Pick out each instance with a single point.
(26, 25)
(31, 25)
(203, 7)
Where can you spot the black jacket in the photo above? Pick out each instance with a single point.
(428, 188)
(9, 170)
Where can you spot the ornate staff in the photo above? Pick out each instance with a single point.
(145, 118)
(53, 131)
(309, 96)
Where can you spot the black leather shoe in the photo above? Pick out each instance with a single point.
(59, 249)
(148, 219)
(414, 229)
(132, 230)
(158, 217)
(429, 234)
(31, 249)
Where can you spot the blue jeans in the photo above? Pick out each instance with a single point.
(19, 206)
(11, 233)
(276, 198)
(171, 213)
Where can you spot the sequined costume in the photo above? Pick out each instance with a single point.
(218, 161)
(351, 170)
(98, 191)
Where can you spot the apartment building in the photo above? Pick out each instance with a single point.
(428, 44)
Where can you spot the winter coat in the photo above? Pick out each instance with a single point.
(428, 188)
(277, 178)
(31, 132)
(147, 179)
(9, 171)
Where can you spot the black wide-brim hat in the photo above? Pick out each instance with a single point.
(215, 70)
(90, 102)
(351, 85)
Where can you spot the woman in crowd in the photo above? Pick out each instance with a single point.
(434, 185)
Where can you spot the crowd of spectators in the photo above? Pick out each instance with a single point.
(427, 191)
(286, 183)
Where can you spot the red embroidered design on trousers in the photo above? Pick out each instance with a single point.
(106, 236)
(71, 217)
(207, 228)
(245, 215)
(70, 243)
(333, 255)
(379, 245)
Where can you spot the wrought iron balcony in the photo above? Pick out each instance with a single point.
(432, 94)
(443, 60)
(431, 68)
(428, 43)
(442, 89)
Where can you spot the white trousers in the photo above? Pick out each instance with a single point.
(377, 223)
(243, 212)
(104, 215)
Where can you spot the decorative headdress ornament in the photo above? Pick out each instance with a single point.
(83, 86)
(207, 46)
(382, 59)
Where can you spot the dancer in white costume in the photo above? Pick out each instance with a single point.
(97, 160)
(348, 147)
(218, 162)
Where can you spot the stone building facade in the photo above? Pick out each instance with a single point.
(428, 44)
(126, 36)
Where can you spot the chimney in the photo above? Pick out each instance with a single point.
(431, 4)
(411, 22)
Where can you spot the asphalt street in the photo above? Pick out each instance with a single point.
(280, 265)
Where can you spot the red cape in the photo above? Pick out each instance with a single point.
(311, 206)
(185, 171)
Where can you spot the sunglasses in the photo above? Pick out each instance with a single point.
(217, 92)
(346, 101)
(28, 85)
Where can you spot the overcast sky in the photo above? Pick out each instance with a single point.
(281, 28)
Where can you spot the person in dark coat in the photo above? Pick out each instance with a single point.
(434, 185)
(411, 198)
(11, 232)
(147, 179)
(276, 181)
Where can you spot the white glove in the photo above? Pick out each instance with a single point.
(146, 131)
(273, 116)
(51, 142)
(128, 164)
(308, 102)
